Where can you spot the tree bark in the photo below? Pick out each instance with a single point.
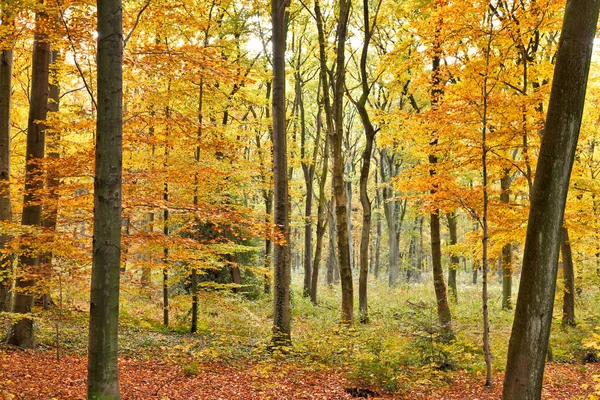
(281, 257)
(322, 217)
(568, 318)
(6, 63)
(341, 207)
(454, 260)
(443, 309)
(506, 249)
(533, 316)
(366, 165)
(50, 213)
(22, 331)
(103, 377)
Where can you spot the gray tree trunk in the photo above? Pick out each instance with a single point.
(281, 256)
(506, 249)
(533, 316)
(454, 260)
(6, 63)
(103, 377)
(22, 331)
(341, 206)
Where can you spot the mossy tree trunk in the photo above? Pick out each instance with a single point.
(533, 316)
(103, 377)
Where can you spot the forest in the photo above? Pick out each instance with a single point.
(294, 199)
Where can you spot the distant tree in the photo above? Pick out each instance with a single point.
(22, 331)
(6, 63)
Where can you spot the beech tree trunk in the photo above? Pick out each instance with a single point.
(322, 217)
(341, 207)
(6, 63)
(22, 331)
(103, 377)
(443, 309)
(454, 260)
(568, 318)
(533, 316)
(389, 209)
(332, 266)
(281, 256)
(366, 165)
(506, 249)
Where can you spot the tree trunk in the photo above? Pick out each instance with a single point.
(443, 309)
(146, 278)
(22, 331)
(487, 352)
(308, 169)
(533, 316)
(50, 213)
(341, 207)
(166, 223)
(506, 249)
(281, 258)
(322, 216)
(268, 197)
(454, 260)
(568, 318)
(103, 377)
(6, 63)
(332, 266)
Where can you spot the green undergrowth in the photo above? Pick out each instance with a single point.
(400, 346)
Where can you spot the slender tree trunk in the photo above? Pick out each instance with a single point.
(50, 214)
(487, 352)
(103, 377)
(268, 197)
(366, 165)
(533, 316)
(454, 260)
(332, 266)
(568, 318)
(22, 331)
(377, 247)
(166, 223)
(281, 259)
(506, 249)
(322, 216)
(443, 309)
(146, 271)
(309, 173)
(341, 207)
(6, 63)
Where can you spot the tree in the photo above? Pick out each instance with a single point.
(103, 377)
(281, 218)
(533, 315)
(22, 331)
(443, 309)
(341, 206)
(370, 132)
(6, 62)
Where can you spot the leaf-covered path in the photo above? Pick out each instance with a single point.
(38, 375)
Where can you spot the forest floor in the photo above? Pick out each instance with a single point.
(38, 375)
(398, 355)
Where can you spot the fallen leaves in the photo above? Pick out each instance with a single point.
(29, 375)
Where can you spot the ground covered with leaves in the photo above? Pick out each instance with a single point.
(398, 355)
(37, 374)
